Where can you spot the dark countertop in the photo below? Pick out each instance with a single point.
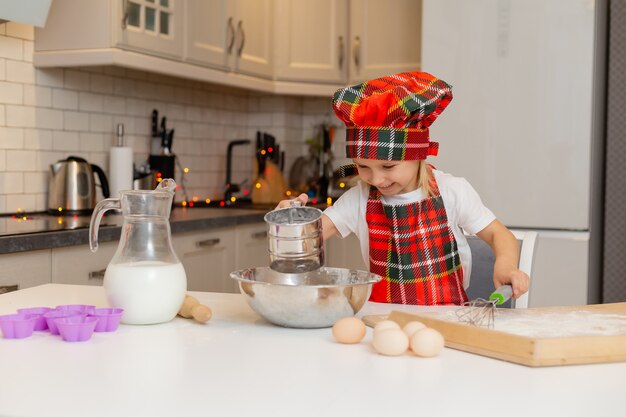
(45, 231)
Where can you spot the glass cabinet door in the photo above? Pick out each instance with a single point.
(153, 25)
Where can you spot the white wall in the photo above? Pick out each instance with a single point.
(48, 114)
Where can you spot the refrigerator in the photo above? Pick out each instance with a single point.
(526, 125)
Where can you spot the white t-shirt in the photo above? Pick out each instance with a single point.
(464, 209)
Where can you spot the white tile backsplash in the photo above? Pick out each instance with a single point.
(36, 182)
(38, 139)
(75, 121)
(20, 116)
(47, 114)
(19, 30)
(11, 93)
(65, 141)
(11, 138)
(21, 160)
(11, 48)
(11, 183)
(64, 99)
(50, 77)
(49, 118)
(20, 72)
(35, 95)
(76, 80)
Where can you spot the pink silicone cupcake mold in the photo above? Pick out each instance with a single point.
(76, 328)
(81, 308)
(108, 319)
(41, 323)
(52, 315)
(17, 326)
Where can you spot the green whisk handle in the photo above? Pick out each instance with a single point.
(501, 295)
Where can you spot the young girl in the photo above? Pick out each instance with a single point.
(408, 216)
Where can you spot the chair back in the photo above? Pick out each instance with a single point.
(481, 282)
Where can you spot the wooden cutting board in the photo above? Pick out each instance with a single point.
(598, 334)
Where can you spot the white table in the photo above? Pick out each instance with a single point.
(240, 365)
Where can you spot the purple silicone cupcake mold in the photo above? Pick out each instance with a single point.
(17, 326)
(41, 323)
(108, 319)
(76, 328)
(52, 315)
(84, 309)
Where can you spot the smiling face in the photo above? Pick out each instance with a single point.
(389, 177)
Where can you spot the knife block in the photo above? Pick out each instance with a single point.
(163, 164)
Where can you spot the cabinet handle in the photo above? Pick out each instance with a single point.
(259, 235)
(243, 37)
(231, 32)
(341, 52)
(124, 13)
(97, 274)
(208, 243)
(357, 51)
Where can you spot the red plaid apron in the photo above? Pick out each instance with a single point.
(413, 248)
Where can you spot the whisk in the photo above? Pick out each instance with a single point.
(481, 312)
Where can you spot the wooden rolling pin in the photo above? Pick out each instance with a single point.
(192, 308)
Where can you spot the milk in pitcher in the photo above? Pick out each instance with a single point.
(148, 291)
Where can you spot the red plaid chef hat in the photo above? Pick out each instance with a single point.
(388, 118)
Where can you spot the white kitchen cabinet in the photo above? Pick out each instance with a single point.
(152, 26)
(385, 37)
(252, 246)
(311, 40)
(344, 253)
(24, 269)
(353, 41)
(79, 265)
(233, 35)
(208, 258)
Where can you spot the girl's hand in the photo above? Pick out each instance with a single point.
(287, 203)
(507, 274)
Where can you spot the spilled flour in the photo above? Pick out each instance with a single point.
(553, 324)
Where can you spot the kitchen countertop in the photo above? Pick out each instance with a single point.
(239, 365)
(45, 231)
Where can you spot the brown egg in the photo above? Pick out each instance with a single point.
(391, 342)
(349, 330)
(427, 342)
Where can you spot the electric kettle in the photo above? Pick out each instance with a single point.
(72, 186)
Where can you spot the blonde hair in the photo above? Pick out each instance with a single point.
(424, 178)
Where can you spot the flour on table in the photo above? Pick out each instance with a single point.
(553, 324)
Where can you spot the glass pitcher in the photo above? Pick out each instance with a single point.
(145, 277)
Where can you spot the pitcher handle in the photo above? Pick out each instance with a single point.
(96, 217)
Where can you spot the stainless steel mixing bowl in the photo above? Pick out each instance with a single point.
(311, 299)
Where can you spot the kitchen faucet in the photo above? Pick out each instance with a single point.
(231, 188)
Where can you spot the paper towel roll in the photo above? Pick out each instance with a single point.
(120, 170)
